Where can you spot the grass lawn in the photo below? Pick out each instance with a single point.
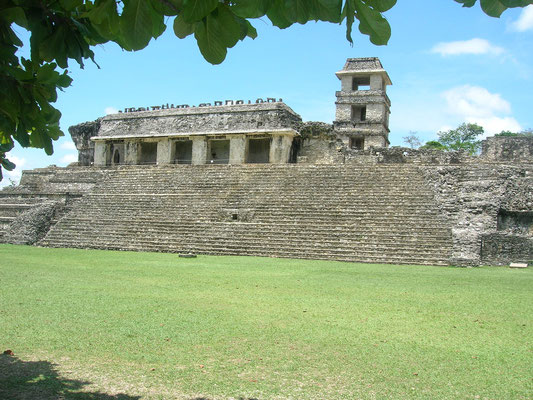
(119, 325)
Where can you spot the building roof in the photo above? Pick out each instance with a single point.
(364, 66)
(252, 118)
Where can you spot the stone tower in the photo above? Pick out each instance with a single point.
(363, 107)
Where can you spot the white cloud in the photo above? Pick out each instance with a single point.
(69, 158)
(15, 174)
(475, 104)
(110, 110)
(472, 46)
(68, 146)
(525, 21)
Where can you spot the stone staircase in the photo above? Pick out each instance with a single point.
(379, 213)
(38, 186)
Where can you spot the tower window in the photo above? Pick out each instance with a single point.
(361, 83)
(357, 143)
(358, 113)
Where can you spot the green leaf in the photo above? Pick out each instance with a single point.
(168, 7)
(70, 5)
(250, 8)
(16, 15)
(494, 8)
(467, 3)
(8, 165)
(298, 10)
(139, 23)
(196, 10)
(182, 29)
(104, 18)
(54, 47)
(278, 15)
(348, 12)
(47, 74)
(381, 5)
(372, 23)
(217, 32)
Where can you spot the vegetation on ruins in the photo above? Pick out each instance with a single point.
(66, 30)
(157, 326)
(524, 133)
(412, 140)
(464, 137)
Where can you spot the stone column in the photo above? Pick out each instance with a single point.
(100, 148)
(237, 149)
(376, 82)
(164, 150)
(131, 152)
(199, 150)
(280, 148)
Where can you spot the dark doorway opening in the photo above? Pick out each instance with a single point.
(218, 151)
(183, 153)
(357, 143)
(148, 153)
(258, 150)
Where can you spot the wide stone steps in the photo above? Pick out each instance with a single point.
(391, 223)
(184, 228)
(372, 214)
(409, 256)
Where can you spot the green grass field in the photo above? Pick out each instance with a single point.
(120, 325)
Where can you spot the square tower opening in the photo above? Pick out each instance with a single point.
(258, 150)
(183, 152)
(357, 143)
(218, 151)
(358, 113)
(361, 83)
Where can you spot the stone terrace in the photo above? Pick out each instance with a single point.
(380, 213)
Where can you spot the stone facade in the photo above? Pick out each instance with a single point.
(220, 134)
(508, 148)
(349, 196)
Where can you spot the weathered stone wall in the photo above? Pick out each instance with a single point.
(318, 144)
(508, 148)
(81, 135)
(59, 180)
(220, 119)
(503, 248)
(33, 224)
(405, 155)
(472, 196)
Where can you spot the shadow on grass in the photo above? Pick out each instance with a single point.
(30, 380)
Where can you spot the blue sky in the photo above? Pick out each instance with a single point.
(448, 65)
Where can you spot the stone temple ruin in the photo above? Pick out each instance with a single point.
(251, 178)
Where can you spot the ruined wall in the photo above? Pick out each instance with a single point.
(33, 224)
(472, 197)
(57, 180)
(81, 135)
(507, 148)
(318, 144)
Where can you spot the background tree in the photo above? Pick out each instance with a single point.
(412, 140)
(464, 137)
(434, 145)
(63, 30)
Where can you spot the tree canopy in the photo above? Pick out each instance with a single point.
(464, 137)
(66, 30)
